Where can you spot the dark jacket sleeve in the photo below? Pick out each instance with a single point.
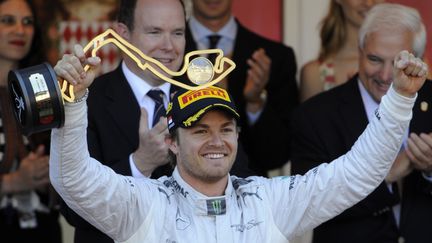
(267, 141)
(271, 131)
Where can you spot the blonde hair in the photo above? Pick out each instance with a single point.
(333, 31)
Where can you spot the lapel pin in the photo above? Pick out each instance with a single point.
(424, 106)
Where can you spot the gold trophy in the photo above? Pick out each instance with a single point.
(38, 95)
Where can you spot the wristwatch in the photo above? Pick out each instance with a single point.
(83, 98)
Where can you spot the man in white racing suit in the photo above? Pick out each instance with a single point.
(201, 202)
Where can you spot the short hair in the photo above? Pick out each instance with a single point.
(388, 16)
(172, 158)
(126, 12)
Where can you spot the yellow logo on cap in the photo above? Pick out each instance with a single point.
(169, 107)
(188, 122)
(193, 95)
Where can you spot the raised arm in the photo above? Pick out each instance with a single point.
(329, 189)
(92, 190)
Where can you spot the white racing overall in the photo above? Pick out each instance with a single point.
(254, 209)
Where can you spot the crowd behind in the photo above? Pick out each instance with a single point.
(305, 121)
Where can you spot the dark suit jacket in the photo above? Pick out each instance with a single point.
(324, 128)
(266, 142)
(112, 135)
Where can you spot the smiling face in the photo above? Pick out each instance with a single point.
(206, 151)
(159, 27)
(16, 30)
(355, 10)
(376, 59)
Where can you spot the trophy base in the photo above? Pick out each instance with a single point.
(36, 98)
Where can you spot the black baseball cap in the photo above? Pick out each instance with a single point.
(188, 106)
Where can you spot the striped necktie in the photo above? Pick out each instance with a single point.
(159, 109)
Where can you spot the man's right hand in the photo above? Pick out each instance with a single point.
(152, 151)
(71, 68)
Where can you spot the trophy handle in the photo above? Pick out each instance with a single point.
(110, 36)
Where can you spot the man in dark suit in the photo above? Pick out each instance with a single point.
(263, 84)
(123, 130)
(327, 125)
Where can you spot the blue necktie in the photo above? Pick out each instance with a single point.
(159, 109)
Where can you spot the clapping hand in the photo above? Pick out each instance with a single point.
(257, 78)
(419, 151)
(152, 151)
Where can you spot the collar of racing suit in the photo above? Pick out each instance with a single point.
(200, 203)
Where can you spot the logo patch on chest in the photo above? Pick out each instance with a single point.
(216, 207)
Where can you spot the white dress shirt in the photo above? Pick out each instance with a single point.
(228, 35)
